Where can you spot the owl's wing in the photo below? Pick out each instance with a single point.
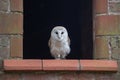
(68, 40)
(49, 42)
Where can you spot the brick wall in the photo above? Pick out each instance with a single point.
(107, 30)
(106, 20)
(11, 28)
(58, 76)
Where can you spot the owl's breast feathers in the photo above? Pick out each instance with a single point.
(59, 46)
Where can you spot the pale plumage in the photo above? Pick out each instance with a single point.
(59, 42)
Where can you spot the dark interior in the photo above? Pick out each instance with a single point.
(40, 16)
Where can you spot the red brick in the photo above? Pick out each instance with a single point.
(4, 40)
(1, 64)
(16, 5)
(86, 76)
(31, 76)
(114, 7)
(4, 5)
(117, 76)
(40, 76)
(16, 46)
(98, 65)
(119, 66)
(107, 25)
(114, 0)
(22, 65)
(114, 41)
(4, 47)
(101, 48)
(11, 76)
(60, 65)
(4, 53)
(105, 76)
(100, 6)
(116, 53)
(68, 76)
(11, 24)
(48, 76)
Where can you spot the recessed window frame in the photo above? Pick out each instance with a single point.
(84, 41)
(10, 65)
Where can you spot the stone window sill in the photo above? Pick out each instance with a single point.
(60, 65)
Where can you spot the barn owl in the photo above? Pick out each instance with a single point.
(59, 42)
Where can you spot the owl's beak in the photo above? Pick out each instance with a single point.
(59, 37)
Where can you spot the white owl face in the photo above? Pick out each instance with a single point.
(59, 33)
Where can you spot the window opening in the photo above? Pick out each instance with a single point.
(40, 16)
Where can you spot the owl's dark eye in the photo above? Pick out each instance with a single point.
(62, 32)
(56, 32)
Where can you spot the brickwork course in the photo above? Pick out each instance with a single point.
(106, 31)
